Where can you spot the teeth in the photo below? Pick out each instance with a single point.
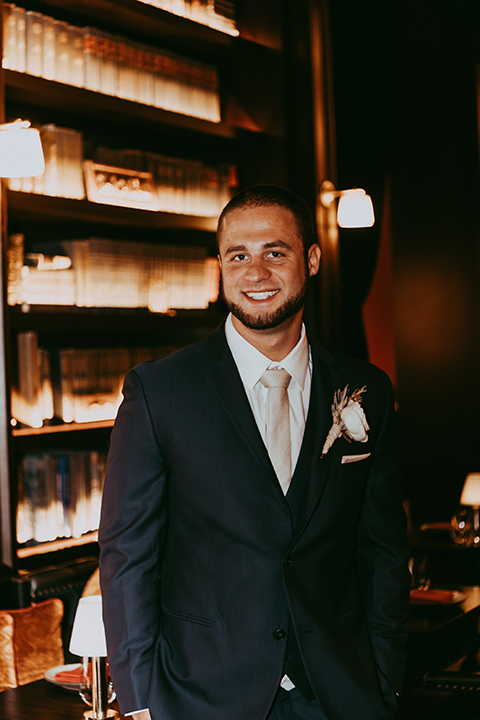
(261, 295)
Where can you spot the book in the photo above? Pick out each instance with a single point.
(62, 51)
(9, 60)
(107, 53)
(25, 395)
(59, 495)
(50, 58)
(91, 59)
(15, 258)
(34, 43)
(76, 61)
(21, 39)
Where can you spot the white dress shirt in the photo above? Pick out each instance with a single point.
(251, 364)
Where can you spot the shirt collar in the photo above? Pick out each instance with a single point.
(251, 363)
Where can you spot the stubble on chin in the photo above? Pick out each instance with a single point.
(267, 321)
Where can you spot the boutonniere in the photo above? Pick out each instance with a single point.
(348, 418)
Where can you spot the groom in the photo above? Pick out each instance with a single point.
(249, 568)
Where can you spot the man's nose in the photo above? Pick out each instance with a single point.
(258, 270)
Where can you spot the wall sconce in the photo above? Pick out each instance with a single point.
(21, 153)
(355, 207)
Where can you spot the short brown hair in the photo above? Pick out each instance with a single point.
(260, 195)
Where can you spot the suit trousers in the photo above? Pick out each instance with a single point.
(291, 705)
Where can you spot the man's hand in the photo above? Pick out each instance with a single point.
(142, 715)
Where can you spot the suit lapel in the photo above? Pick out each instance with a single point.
(223, 374)
(325, 381)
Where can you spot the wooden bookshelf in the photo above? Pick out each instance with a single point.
(53, 319)
(22, 88)
(56, 545)
(251, 135)
(68, 427)
(129, 16)
(43, 208)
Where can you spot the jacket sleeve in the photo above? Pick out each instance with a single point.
(382, 554)
(132, 539)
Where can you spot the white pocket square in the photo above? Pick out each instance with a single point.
(354, 458)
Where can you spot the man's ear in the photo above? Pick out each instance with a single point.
(314, 254)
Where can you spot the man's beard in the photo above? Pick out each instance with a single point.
(268, 320)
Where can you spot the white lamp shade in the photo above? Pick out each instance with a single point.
(355, 209)
(21, 153)
(471, 491)
(88, 634)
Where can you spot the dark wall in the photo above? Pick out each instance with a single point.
(435, 230)
(405, 100)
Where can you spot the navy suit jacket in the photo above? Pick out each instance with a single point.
(204, 560)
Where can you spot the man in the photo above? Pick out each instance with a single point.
(283, 584)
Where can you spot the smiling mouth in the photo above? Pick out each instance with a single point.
(261, 295)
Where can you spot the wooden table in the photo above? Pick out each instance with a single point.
(440, 635)
(41, 700)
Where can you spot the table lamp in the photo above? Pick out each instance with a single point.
(471, 498)
(88, 640)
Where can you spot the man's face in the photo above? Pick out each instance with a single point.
(264, 274)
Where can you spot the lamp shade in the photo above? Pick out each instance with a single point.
(88, 634)
(21, 153)
(471, 491)
(355, 209)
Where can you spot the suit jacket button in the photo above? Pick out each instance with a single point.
(288, 560)
(279, 634)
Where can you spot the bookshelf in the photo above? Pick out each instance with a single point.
(249, 136)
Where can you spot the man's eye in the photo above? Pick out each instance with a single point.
(276, 254)
(239, 257)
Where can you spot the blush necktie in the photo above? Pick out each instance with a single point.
(278, 424)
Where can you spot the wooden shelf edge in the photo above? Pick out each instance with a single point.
(60, 96)
(68, 427)
(58, 209)
(157, 23)
(56, 545)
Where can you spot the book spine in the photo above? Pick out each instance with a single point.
(76, 62)
(15, 255)
(34, 43)
(50, 60)
(62, 52)
(21, 39)
(45, 379)
(9, 61)
(73, 164)
(92, 65)
(28, 408)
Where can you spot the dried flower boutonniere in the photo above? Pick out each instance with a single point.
(348, 418)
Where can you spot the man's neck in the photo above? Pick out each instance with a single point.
(275, 343)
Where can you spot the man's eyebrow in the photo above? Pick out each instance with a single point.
(235, 249)
(266, 246)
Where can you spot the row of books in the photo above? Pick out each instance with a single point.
(86, 57)
(217, 14)
(179, 185)
(188, 187)
(59, 495)
(72, 384)
(112, 274)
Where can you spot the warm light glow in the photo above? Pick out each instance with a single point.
(88, 634)
(355, 209)
(21, 153)
(471, 491)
